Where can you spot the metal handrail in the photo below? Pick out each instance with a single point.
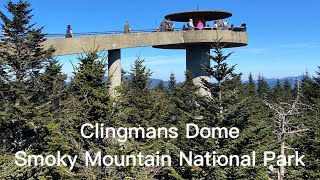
(80, 34)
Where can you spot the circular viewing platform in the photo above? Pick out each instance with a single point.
(205, 15)
(227, 38)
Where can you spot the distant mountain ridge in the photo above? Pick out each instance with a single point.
(270, 81)
(153, 82)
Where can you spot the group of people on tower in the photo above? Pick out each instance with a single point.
(166, 25)
(223, 25)
(217, 25)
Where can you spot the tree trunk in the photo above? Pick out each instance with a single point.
(281, 168)
(220, 98)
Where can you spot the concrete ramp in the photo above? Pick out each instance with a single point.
(166, 40)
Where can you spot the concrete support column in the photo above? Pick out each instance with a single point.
(114, 70)
(197, 57)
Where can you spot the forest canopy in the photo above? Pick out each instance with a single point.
(42, 114)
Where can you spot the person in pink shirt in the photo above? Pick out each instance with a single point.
(200, 25)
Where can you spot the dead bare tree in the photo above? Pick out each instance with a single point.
(288, 120)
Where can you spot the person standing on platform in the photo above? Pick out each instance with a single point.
(215, 25)
(170, 25)
(69, 32)
(191, 26)
(219, 24)
(200, 25)
(127, 29)
(224, 25)
(163, 26)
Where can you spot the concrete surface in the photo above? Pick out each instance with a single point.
(167, 40)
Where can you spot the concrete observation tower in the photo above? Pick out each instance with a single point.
(197, 51)
(197, 43)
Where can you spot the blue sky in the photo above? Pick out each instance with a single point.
(283, 34)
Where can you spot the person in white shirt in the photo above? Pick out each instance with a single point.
(191, 26)
(224, 25)
(215, 25)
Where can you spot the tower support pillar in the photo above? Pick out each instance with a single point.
(114, 70)
(196, 58)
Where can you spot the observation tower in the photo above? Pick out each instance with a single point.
(197, 43)
(197, 51)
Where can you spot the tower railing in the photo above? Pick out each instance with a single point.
(103, 33)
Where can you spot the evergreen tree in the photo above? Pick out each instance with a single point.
(317, 84)
(307, 88)
(220, 71)
(185, 108)
(227, 108)
(250, 86)
(89, 87)
(53, 89)
(161, 86)
(90, 102)
(136, 94)
(139, 75)
(24, 64)
(263, 88)
(172, 82)
(288, 91)
(310, 143)
(141, 106)
(23, 58)
(278, 90)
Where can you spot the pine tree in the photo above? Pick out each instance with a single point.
(135, 94)
(250, 86)
(23, 65)
(161, 86)
(263, 88)
(278, 91)
(185, 108)
(53, 91)
(229, 107)
(172, 82)
(307, 88)
(288, 91)
(141, 106)
(23, 58)
(310, 143)
(220, 71)
(139, 76)
(89, 87)
(90, 102)
(316, 80)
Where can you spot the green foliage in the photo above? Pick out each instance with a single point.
(263, 88)
(89, 88)
(250, 86)
(172, 82)
(41, 114)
